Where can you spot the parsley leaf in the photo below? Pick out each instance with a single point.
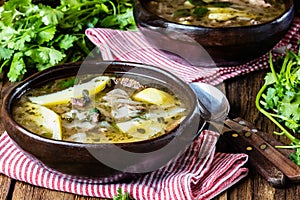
(50, 55)
(67, 41)
(50, 15)
(46, 34)
(45, 57)
(269, 79)
(18, 67)
(5, 53)
(121, 20)
(121, 196)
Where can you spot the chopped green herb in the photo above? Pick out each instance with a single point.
(94, 110)
(197, 2)
(200, 12)
(141, 130)
(67, 83)
(182, 13)
(161, 120)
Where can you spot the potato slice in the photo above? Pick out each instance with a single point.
(93, 86)
(141, 129)
(224, 14)
(154, 96)
(154, 122)
(44, 117)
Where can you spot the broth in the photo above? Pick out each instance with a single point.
(122, 111)
(217, 13)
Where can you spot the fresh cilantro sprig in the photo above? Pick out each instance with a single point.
(34, 37)
(279, 98)
(122, 196)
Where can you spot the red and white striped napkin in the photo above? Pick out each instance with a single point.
(190, 176)
(131, 46)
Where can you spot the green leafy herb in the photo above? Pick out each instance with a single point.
(67, 82)
(37, 36)
(200, 12)
(279, 98)
(197, 2)
(121, 196)
(182, 13)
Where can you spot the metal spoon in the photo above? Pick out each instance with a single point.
(214, 105)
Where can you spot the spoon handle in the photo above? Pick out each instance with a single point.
(260, 148)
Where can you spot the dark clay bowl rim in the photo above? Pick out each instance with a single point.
(162, 22)
(18, 90)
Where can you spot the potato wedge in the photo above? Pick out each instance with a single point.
(64, 96)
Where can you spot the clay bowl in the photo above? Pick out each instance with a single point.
(226, 46)
(106, 162)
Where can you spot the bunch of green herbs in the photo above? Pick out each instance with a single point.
(34, 37)
(279, 98)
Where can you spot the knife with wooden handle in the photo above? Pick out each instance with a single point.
(270, 162)
(257, 162)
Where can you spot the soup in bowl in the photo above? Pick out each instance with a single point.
(217, 13)
(230, 32)
(109, 120)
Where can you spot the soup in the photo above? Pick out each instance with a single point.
(100, 109)
(217, 13)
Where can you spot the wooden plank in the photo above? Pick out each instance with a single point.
(5, 183)
(242, 190)
(293, 192)
(27, 191)
(222, 196)
(262, 189)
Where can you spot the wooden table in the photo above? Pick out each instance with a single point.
(241, 92)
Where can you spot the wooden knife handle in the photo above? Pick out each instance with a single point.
(264, 167)
(251, 141)
(268, 137)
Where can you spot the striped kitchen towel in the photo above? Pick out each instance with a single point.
(131, 46)
(189, 176)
